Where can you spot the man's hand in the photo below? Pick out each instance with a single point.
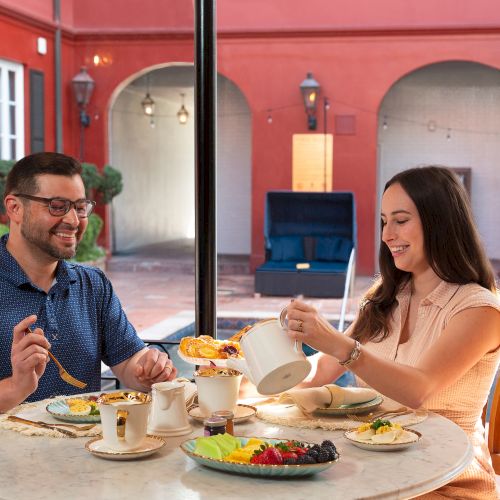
(28, 357)
(154, 366)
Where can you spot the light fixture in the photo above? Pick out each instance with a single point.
(182, 114)
(83, 86)
(310, 89)
(148, 104)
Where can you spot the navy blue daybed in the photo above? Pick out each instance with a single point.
(310, 243)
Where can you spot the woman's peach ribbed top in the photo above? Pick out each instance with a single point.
(463, 401)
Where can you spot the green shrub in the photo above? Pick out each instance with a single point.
(3, 229)
(91, 178)
(111, 184)
(88, 249)
(5, 166)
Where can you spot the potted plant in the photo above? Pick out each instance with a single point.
(101, 187)
(5, 166)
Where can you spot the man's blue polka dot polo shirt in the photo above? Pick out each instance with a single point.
(81, 316)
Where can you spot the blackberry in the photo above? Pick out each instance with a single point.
(316, 447)
(332, 452)
(307, 459)
(314, 454)
(327, 442)
(290, 461)
(300, 459)
(323, 456)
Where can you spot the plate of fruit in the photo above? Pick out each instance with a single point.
(261, 456)
(77, 409)
(382, 435)
(205, 350)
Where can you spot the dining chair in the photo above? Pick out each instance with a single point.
(494, 428)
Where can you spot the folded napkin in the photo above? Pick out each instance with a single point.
(327, 396)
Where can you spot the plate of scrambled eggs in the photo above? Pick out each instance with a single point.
(77, 409)
(382, 435)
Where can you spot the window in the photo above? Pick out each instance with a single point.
(11, 111)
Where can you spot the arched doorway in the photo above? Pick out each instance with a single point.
(156, 158)
(447, 114)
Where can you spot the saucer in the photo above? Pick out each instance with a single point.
(242, 413)
(151, 445)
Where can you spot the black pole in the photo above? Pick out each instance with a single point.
(326, 105)
(205, 63)
(58, 76)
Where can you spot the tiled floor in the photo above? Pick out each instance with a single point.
(157, 288)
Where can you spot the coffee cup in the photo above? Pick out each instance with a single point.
(124, 419)
(218, 389)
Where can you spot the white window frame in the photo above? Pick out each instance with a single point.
(5, 133)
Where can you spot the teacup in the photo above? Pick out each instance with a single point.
(124, 419)
(218, 389)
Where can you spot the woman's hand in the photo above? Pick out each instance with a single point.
(306, 325)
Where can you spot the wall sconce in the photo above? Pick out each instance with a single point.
(182, 114)
(83, 86)
(148, 105)
(310, 91)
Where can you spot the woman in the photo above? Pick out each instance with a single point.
(428, 331)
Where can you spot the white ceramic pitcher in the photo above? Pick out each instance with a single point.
(168, 412)
(273, 361)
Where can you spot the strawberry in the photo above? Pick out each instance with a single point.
(298, 450)
(270, 456)
(288, 454)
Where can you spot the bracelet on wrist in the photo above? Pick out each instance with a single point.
(353, 356)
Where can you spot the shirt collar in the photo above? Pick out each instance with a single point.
(440, 296)
(10, 268)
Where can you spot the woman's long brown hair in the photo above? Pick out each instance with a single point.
(451, 242)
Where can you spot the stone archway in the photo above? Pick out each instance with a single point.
(156, 158)
(446, 113)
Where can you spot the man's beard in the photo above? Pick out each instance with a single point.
(40, 239)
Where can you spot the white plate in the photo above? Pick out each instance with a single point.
(203, 361)
(242, 413)
(411, 438)
(60, 410)
(151, 445)
(351, 409)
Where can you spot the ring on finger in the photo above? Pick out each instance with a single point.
(300, 325)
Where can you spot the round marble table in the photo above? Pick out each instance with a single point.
(50, 468)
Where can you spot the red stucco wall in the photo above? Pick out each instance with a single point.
(357, 51)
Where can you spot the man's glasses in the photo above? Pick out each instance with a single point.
(61, 206)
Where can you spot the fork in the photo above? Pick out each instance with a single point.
(371, 417)
(76, 427)
(62, 372)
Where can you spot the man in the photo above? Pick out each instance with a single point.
(71, 309)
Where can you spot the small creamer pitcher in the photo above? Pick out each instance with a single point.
(168, 412)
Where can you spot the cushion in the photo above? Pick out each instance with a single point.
(286, 248)
(331, 248)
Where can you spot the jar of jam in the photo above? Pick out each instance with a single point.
(214, 425)
(229, 416)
